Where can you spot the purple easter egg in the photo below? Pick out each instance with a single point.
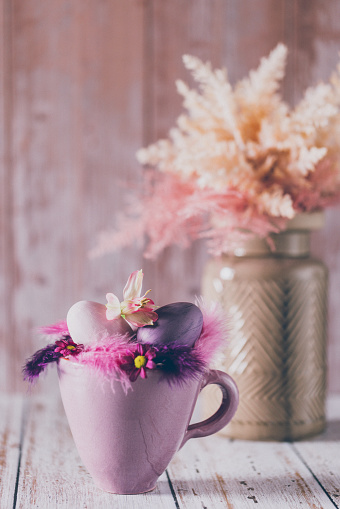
(179, 323)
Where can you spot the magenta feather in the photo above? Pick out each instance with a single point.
(105, 357)
(59, 329)
(215, 331)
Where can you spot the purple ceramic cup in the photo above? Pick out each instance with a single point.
(126, 440)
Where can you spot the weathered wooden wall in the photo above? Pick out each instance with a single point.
(84, 84)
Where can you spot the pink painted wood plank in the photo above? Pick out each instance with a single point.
(45, 176)
(112, 66)
(77, 120)
(6, 190)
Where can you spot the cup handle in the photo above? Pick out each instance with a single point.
(226, 411)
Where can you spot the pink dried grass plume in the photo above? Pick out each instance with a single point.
(160, 217)
(176, 211)
(320, 190)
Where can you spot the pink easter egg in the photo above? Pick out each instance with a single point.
(87, 323)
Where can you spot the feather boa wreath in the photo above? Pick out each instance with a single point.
(114, 357)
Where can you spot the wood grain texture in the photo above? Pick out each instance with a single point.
(220, 474)
(321, 454)
(10, 446)
(83, 85)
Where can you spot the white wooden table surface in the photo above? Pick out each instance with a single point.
(40, 467)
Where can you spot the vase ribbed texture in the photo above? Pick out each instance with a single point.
(277, 349)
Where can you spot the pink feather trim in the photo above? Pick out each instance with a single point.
(59, 328)
(215, 331)
(106, 356)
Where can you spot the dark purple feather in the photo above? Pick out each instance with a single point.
(179, 363)
(38, 362)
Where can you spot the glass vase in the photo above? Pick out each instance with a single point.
(277, 304)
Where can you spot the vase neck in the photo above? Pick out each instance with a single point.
(292, 243)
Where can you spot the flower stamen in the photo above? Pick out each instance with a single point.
(140, 361)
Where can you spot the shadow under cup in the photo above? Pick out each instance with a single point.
(126, 440)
